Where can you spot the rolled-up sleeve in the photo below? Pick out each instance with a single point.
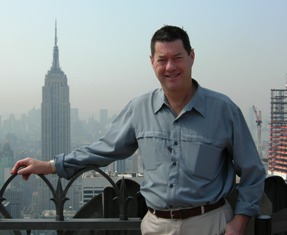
(248, 167)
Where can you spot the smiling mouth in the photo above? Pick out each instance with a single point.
(172, 76)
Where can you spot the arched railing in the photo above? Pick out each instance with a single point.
(59, 198)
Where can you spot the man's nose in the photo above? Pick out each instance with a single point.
(170, 65)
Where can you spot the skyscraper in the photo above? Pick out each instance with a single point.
(55, 122)
(6, 161)
(278, 132)
(56, 136)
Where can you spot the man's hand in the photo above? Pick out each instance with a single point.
(237, 225)
(28, 166)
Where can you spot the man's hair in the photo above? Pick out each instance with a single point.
(169, 33)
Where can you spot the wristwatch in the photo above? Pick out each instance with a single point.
(53, 166)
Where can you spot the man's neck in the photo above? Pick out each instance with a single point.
(178, 100)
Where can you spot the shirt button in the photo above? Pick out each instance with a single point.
(171, 185)
(175, 143)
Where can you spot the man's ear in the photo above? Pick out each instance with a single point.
(151, 59)
(192, 56)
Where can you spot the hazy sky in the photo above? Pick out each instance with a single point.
(240, 46)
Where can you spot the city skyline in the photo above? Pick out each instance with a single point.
(240, 50)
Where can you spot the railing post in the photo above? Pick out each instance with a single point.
(262, 225)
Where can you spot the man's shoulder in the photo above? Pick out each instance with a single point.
(152, 94)
(217, 100)
(217, 96)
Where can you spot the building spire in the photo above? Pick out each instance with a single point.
(56, 63)
(56, 38)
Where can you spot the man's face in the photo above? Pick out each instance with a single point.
(172, 65)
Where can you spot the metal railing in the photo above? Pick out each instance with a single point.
(122, 224)
(263, 225)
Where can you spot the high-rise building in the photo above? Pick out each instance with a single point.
(103, 117)
(278, 132)
(55, 122)
(56, 136)
(6, 161)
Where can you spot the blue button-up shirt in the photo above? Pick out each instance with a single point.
(189, 159)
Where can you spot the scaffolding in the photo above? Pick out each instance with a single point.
(278, 131)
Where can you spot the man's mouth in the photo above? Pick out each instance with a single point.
(171, 76)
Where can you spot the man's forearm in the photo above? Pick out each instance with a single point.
(237, 225)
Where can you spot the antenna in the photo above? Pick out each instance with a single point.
(56, 38)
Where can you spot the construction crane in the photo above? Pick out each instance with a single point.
(258, 121)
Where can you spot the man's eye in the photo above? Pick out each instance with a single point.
(178, 58)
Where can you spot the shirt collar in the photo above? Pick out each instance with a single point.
(197, 101)
(159, 100)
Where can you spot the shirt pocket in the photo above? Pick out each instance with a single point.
(153, 148)
(202, 159)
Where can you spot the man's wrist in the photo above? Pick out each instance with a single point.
(53, 166)
(238, 223)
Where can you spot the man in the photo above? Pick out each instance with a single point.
(192, 142)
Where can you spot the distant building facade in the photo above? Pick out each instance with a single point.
(94, 184)
(278, 133)
(55, 119)
(6, 161)
(103, 117)
(55, 122)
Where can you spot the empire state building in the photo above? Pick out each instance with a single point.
(55, 108)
